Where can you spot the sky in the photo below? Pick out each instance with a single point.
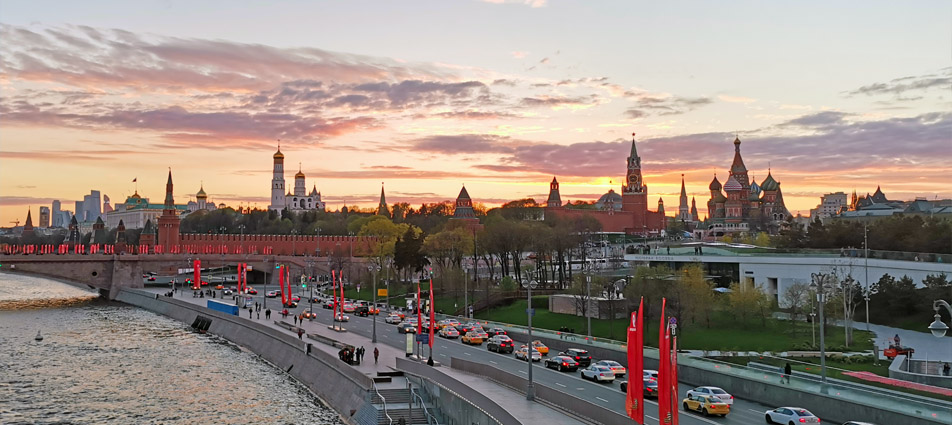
(500, 96)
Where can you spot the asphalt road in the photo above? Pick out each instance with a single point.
(743, 412)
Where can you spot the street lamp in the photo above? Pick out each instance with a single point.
(938, 328)
(221, 250)
(866, 269)
(588, 306)
(310, 272)
(529, 284)
(241, 228)
(819, 285)
(294, 232)
(317, 250)
(374, 268)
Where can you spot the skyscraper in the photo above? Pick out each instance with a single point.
(44, 216)
(57, 215)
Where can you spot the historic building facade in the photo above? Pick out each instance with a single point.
(618, 213)
(299, 199)
(743, 205)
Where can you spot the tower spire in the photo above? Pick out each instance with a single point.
(382, 208)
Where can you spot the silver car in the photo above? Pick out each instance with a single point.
(598, 373)
(786, 415)
(715, 392)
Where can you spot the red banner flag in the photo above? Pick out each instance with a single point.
(197, 273)
(284, 293)
(634, 403)
(664, 371)
(334, 278)
(419, 313)
(432, 314)
(673, 369)
(340, 278)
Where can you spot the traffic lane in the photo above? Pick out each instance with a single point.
(608, 395)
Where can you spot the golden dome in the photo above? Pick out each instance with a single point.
(299, 175)
(278, 154)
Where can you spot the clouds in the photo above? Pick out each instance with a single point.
(909, 88)
(651, 104)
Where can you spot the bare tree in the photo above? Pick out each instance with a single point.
(580, 293)
(850, 295)
(795, 298)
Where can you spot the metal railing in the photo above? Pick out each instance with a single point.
(430, 419)
(384, 400)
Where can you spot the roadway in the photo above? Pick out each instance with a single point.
(608, 394)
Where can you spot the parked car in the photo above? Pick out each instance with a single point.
(406, 328)
(788, 415)
(598, 373)
(523, 352)
(614, 366)
(581, 356)
(271, 294)
(472, 338)
(708, 405)
(449, 332)
(538, 345)
(649, 387)
(562, 363)
(496, 331)
(500, 344)
(393, 319)
(713, 392)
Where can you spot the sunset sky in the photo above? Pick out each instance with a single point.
(498, 95)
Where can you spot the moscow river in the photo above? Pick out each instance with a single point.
(108, 363)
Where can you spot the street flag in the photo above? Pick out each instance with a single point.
(419, 313)
(197, 271)
(340, 278)
(432, 314)
(664, 371)
(284, 300)
(334, 278)
(634, 402)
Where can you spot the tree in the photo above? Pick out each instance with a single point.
(699, 294)
(747, 300)
(580, 292)
(899, 296)
(795, 298)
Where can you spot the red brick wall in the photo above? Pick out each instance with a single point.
(283, 244)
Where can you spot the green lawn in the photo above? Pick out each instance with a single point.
(724, 334)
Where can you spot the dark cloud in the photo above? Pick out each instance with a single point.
(555, 101)
(667, 105)
(475, 115)
(819, 119)
(900, 86)
(416, 91)
(463, 144)
(635, 113)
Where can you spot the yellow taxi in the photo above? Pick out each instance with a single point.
(474, 338)
(539, 346)
(706, 404)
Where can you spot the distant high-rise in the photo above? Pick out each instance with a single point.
(44, 216)
(105, 205)
(92, 205)
(80, 212)
(57, 215)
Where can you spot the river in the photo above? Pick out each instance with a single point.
(104, 362)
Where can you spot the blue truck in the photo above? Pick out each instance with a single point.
(223, 307)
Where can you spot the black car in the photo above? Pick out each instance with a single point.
(362, 311)
(500, 344)
(562, 363)
(406, 328)
(496, 331)
(581, 356)
(649, 386)
(463, 328)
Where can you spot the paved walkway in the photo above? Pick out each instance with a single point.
(525, 411)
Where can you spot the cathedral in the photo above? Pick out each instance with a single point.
(299, 200)
(625, 213)
(744, 206)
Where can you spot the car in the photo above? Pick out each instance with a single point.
(496, 331)
(538, 345)
(195, 288)
(219, 286)
(406, 328)
(598, 373)
(316, 299)
(614, 366)
(362, 311)
(151, 278)
(648, 386)
(449, 322)
(562, 363)
(500, 344)
(393, 319)
(713, 392)
(226, 291)
(308, 314)
(650, 374)
(581, 356)
(857, 423)
(271, 294)
(290, 304)
(349, 308)
(328, 305)
(449, 332)
(463, 328)
(708, 405)
(523, 352)
(341, 317)
(472, 338)
(790, 415)
(252, 291)
(233, 288)
(295, 298)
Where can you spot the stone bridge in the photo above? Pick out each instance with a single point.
(110, 273)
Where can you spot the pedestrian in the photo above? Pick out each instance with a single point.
(787, 371)
(259, 315)
(377, 354)
(300, 333)
(267, 314)
(669, 250)
(295, 320)
(947, 370)
(249, 314)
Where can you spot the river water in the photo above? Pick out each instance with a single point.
(108, 363)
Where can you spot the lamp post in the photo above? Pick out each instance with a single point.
(529, 284)
(937, 327)
(866, 269)
(819, 284)
(588, 306)
(221, 250)
(466, 295)
(389, 263)
(374, 268)
(310, 272)
(317, 250)
(241, 228)
(294, 233)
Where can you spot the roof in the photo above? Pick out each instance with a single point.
(715, 184)
(769, 183)
(738, 165)
(732, 185)
(612, 198)
(754, 192)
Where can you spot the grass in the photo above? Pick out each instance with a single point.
(835, 369)
(725, 333)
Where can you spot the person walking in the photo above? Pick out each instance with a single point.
(259, 315)
(946, 369)
(787, 371)
(300, 333)
(267, 314)
(377, 354)
(295, 320)
(249, 313)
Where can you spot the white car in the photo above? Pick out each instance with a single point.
(523, 352)
(791, 415)
(715, 392)
(598, 373)
(393, 319)
(340, 317)
(614, 366)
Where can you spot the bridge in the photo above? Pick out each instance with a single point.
(109, 273)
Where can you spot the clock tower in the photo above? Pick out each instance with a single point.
(634, 192)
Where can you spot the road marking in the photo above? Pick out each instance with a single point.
(493, 362)
(523, 372)
(580, 389)
(467, 354)
(756, 411)
(602, 399)
(561, 385)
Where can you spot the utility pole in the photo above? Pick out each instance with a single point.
(866, 267)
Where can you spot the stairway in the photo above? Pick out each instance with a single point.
(398, 406)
